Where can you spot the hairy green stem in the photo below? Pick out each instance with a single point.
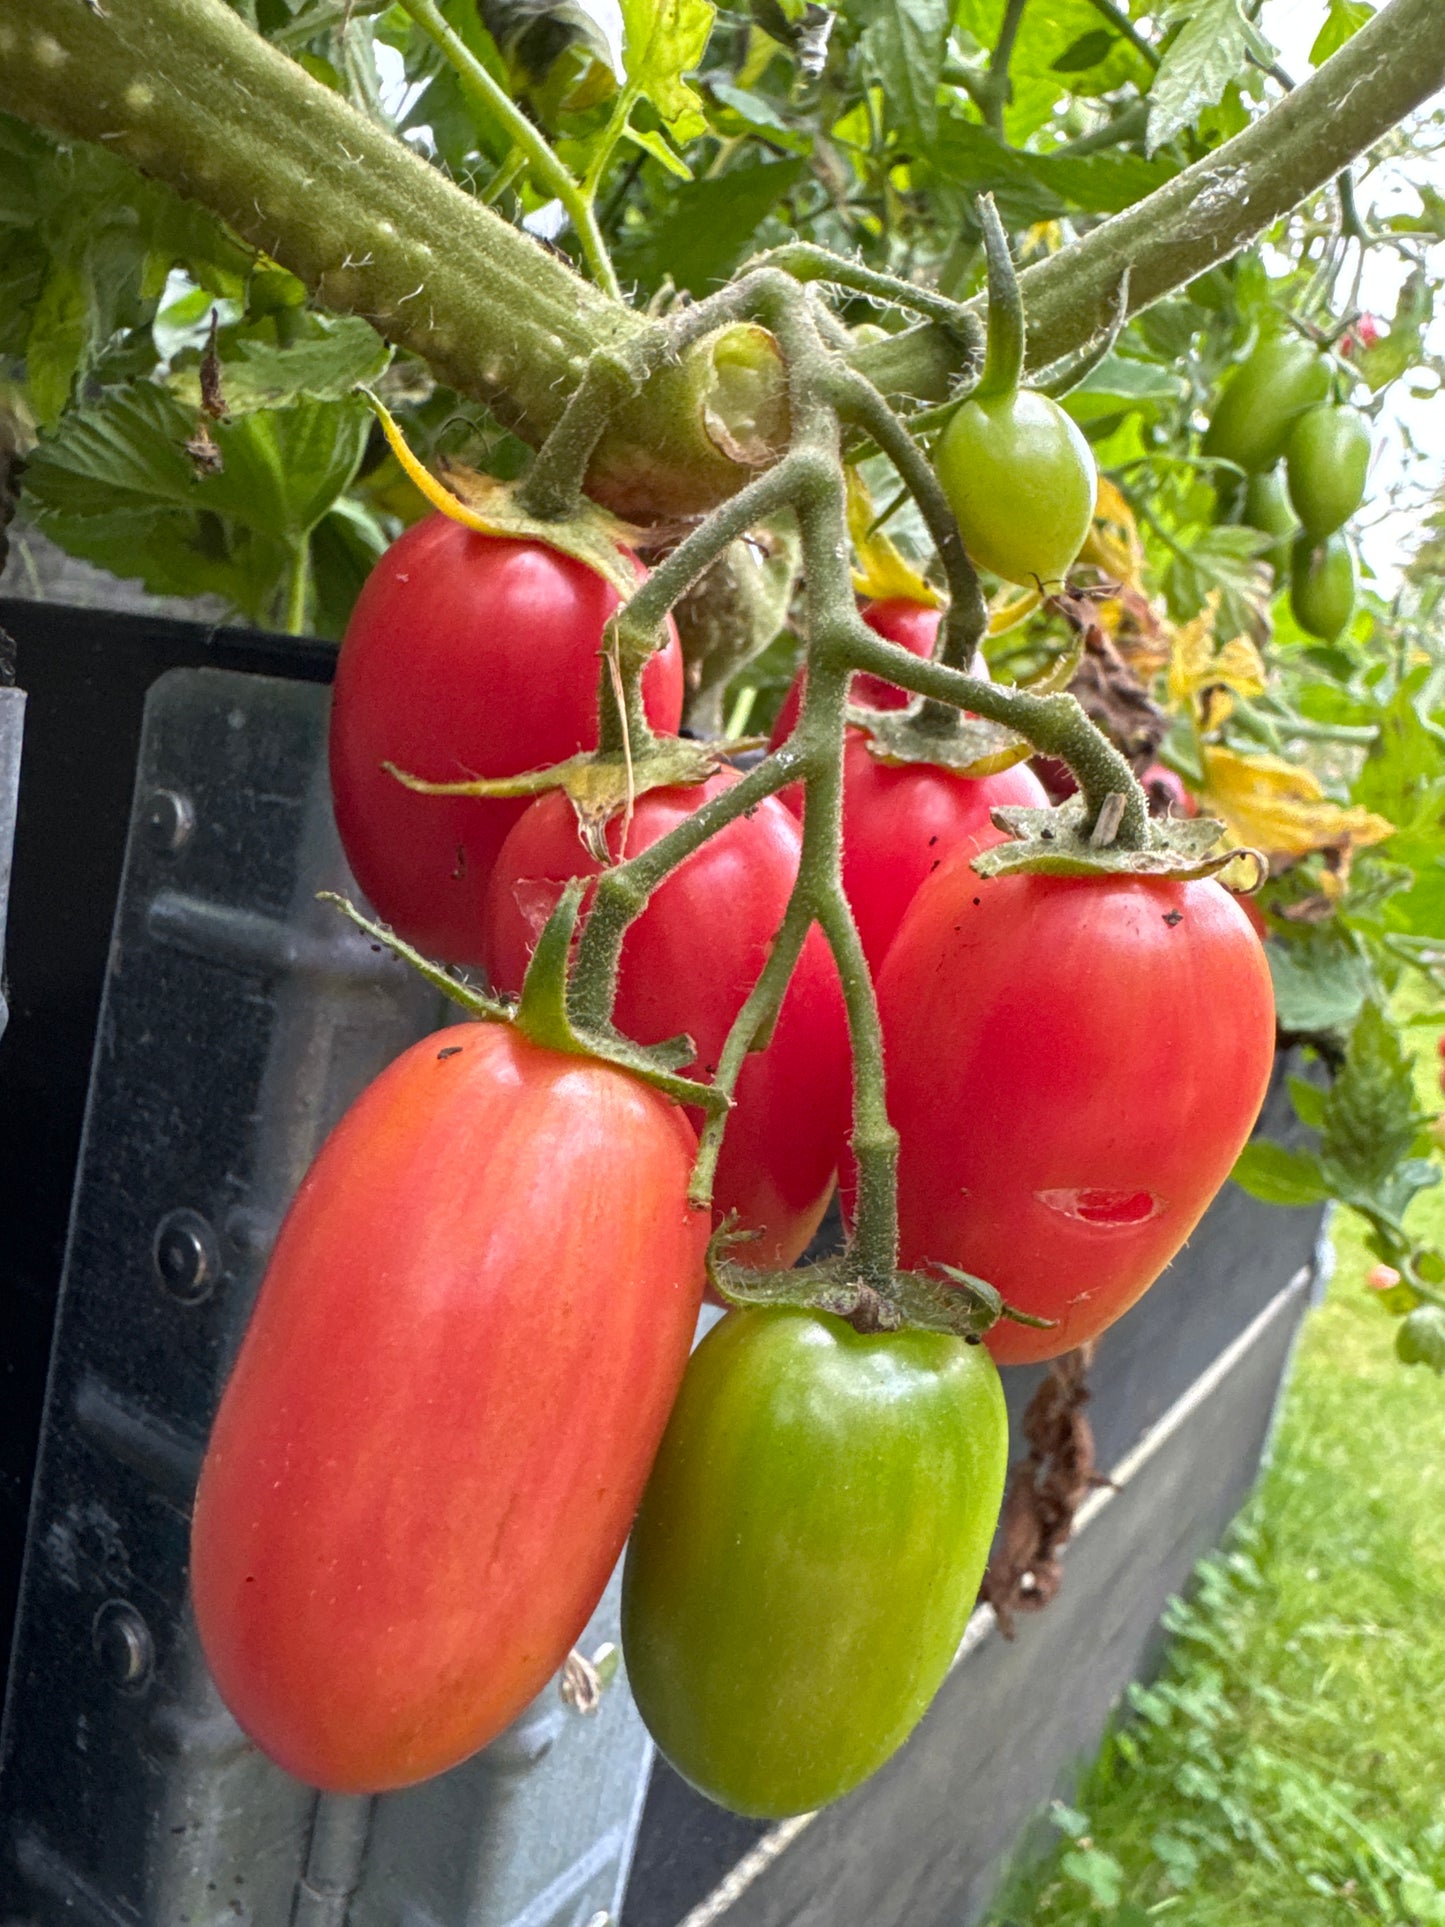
(1003, 361)
(298, 587)
(547, 170)
(996, 90)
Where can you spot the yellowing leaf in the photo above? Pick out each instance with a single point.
(663, 40)
(882, 571)
(1009, 613)
(1268, 804)
(1196, 665)
(1112, 545)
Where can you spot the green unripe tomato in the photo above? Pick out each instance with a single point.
(1260, 404)
(1327, 458)
(1322, 585)
(1021, 479)
(1267, 508)
(808, 1552)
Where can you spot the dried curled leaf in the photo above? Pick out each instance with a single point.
(1054, 842)
(972, 748)
(1281, 807)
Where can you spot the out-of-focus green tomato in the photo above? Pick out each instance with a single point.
(1263, 399)
(1327, 459)
(1322, 585)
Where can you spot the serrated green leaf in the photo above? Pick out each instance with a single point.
(1274, 1175)
(1321, 979)
(1121, 383)
(709, 227)
(663, 41)
(904, 45)
(1225, 561)
(1370, 1114)
(1085, 52)
(60, 336)
(1342, 23)
(1309, 1102)
(652, 142)
(1198, 65)
(338, 355)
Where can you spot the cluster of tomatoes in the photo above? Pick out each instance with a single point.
(468, 1367)
(1306, 458)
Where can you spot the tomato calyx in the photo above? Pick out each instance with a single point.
(967, 745)
(541, 1013)
(1054, 842)
(954, 1302)
(599, 784)
(589, 534)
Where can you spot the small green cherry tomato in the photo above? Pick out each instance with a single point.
(1266, 508)
(1020, 477)
(1322, 585)
(1260, 404)
(808, 1551)
(1327, 459)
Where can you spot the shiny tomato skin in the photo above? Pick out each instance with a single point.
(901, 823)
(912, 625)
(688, 963)
(1073, 1066)
(1323, 585)
(1327, 460)
(808, 1551)
(1264, 397)
(1020, 477)
(437, 1431)
(466, 655)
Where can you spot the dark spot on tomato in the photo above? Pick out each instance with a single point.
(459, 869)
(451, 1050)
(1171, 917)
(931, 841)
(977, 901)
(934, 865)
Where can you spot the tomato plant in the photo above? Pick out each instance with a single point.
(1327, 459)
(1009, 1008)
(467, 655)
(1264, 398)
(808, 1551)
(687, 964)
(912, 625)
(1020, 477)
(436, 1433)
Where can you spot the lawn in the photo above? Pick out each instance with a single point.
(1288, 1767)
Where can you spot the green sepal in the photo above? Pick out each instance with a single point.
(970, 747)
(1053, 842)
(599, 786)
(493, 1010)
(543, 1018)
(966, 1307)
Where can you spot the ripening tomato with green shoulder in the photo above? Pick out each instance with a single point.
(428, 1455)
(808, 1551)
(1262, 400)
(1322, 585)
(1020, 477)
(688, 963)
(1327, 459)
(1074, 1063)
(467, 655)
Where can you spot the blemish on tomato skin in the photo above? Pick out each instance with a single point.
(1120, 1208)
(449, 1050)
(1172, 917)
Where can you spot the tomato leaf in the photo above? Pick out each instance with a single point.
(1272, 1174)
(1371, 1119)
(327, 365)
(1321, 978)
(1343, 22)
(1309, 1102)
(1205, 55)
(664, 40)
(1421, 1341)
(708, 227)
(904, 47)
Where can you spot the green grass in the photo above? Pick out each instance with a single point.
(1288, 1767)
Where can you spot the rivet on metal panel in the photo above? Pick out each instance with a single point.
(167, 819)
(186, 1256)
(123, 1645)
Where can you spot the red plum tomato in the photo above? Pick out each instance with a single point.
(688, 963)
(466, 655)
(1074, 1063)
(901, 822)
(427, 1458)
(912, 625)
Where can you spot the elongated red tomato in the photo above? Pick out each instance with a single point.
(687, 965)
(912, 625)
(427, 1458)
(1073, 1066)
(900, 823)
(466, 655)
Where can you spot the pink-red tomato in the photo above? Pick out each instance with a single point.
(1074, 1063)
(466, 655)
(468, 1340)
(900, 823)
(688, 963)
(1165, 790)
(912, 625)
